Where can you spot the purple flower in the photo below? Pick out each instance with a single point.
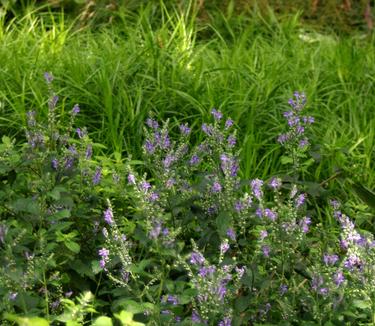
(238, 206)
(300, 200)
(316, 282)
(270, 214)
(153, 196)
(196, 258)
(194, 160)
(149, 146)
(184, 129)
(259, 212)
(304, 224)
(52, 102)
(104, 254)
(338, 278)
(75, 110)
(227, 321)
(275, 183)
(166, 142)
(330, 259)
(207, 129)
(195, 318)
(31, 118)
(145, 186)
(240, 271)
(204, 271)
(172, 299)
(224, 247)
(283, 289)
(216, 187)
(152, 123)
(228, 123)
(68, 294)
(69, 161)
(352, 261)
(266, 251)
(216, 114)
(231, 140)
(108, 216)
(55, 164)
(88, 153)
(131, 179)
(170, 183)
(256, 187)
(263, 234)
(303, 143)
(155, 232)
(167, 162)
(231, 234)
(48, 77)
(97, 176)
(283, 138)
(221, 291)
(13, 296)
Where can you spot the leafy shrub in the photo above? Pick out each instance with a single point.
(179, 239)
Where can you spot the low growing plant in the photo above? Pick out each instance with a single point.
(177, 238)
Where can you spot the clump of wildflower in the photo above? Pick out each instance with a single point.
(294, 140)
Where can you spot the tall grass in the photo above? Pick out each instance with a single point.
(170, 64)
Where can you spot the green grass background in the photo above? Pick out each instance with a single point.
(172, 64)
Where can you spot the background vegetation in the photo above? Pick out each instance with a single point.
(124, 62)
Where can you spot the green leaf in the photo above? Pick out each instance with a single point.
(126, 319)
(95, 267)
(24, 321)
(362, 304)
(73, 246)
(365, 194)
(103, 321)
(286, 160)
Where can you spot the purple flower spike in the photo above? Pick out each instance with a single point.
(228, 123)
(270, 214)
(145, 186)
(216, 114)
(48, 77)
(216, 187)
(131, 179)
(338, 278)
(266, 251)
(300, 200)
(75, 110)
(196, 258)
(231, 140)
(263, 234)
(231, 234)
(224, 247)
(275, 183)
(108, 216)
(97, 176)
(256, 187)
(184, 129)
(227, 321)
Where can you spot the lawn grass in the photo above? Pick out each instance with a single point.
(173, 65)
